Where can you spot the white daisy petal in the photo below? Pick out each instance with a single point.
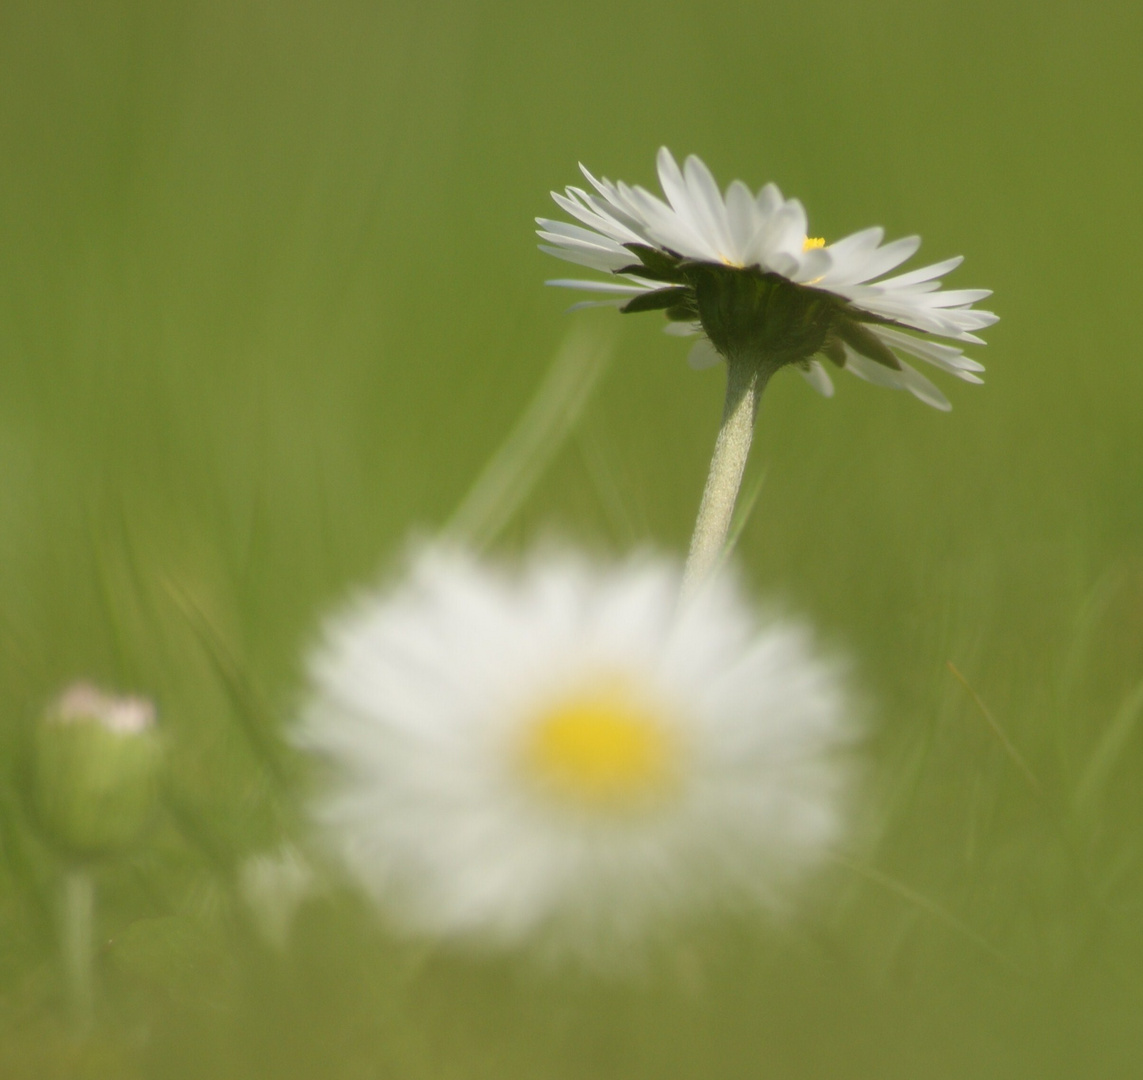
(708, 207)
(959, 297)
(620, 216)
(814, 265)
(768, 201)
(850, 254)
(924, 274)
(782, 237)
(674, 186)
(872, 371)
(596, 258)
(604, 223)
(968, 377)
(562, 756)
(600, 286)
(583, 305)
(886, 258)
(560, 232)
(858, 243)
(741, 219)
(673, 232)
(919, 313)
(903, 379)
(922, 389)
(604, 187)
(703, 355)
(767, 232)
(817, 376)
(946, 357)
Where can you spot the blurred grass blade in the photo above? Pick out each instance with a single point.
(25, 861)
(17, 656)
(601, 474)
(927, 905)
(1014, 755)
(1108, 750)
(219, 858)
(742, 512)
(1093, 610)
(255, 717)
(111, 600)
(549, 418)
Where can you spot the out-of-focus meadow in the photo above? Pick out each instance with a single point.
(269, 297)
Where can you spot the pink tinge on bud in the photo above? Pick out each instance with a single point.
(84, 701)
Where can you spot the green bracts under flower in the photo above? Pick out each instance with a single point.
(756, 314)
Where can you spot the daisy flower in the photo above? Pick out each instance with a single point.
(741, 269)
(560, 755)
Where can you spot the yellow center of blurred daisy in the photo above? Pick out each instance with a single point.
(604, 751)
(812, 242)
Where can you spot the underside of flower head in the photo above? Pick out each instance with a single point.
(741, 270)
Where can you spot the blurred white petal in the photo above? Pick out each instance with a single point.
(562, 756)
(767, 234)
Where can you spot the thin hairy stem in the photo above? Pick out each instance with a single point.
(745, 381)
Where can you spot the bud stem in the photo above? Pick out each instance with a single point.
(746, 378)
(77, 937)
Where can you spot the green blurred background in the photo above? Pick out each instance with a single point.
(269, 296)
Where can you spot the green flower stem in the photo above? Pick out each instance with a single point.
(746, 378)
(77, 942)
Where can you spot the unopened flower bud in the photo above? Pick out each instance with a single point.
(95, 770)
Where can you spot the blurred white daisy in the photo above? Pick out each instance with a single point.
(560, 755)
(742, 270)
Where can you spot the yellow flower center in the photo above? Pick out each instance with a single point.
(812, 242)
(603, 750)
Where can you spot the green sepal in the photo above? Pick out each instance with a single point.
(866, 342)
(684, 312)
(651, 275)
(656, 300)
(655, 265)
(834, 351)
(758, 314)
